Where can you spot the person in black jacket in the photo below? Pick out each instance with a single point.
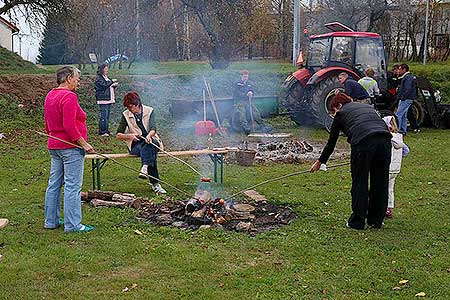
(370, 142)
(406, 94)
(353, 88)
(104, 94)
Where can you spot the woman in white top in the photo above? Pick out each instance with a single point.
(396, 160)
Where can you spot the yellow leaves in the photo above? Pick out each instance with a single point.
(404, 283)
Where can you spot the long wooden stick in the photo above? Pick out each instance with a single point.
(251, 112)
(213, 103)
(282, 177)
(174, 157)
(115, 161)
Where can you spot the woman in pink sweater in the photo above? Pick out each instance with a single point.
(65, 120)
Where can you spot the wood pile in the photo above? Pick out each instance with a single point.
(112, 199)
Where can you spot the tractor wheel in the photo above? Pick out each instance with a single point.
(297, 106)
(321, 98)
(419, 112)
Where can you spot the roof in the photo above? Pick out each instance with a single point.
(13, 27)
(347, 34)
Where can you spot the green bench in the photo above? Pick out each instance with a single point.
(98, 161)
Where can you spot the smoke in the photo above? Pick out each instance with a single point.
(177, 103)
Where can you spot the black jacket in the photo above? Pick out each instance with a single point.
(358, 121)
(355, 90)
(240, 90)
(102, 86)
(408, 87)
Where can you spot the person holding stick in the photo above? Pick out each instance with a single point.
(137, 129)
(245, 117)
(65, 120)
(370, 142)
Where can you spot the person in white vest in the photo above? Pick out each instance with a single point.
(399, 149)
(138, 129)
(370, 84)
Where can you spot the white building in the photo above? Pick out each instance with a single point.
(7, 30)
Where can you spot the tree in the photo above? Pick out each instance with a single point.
(222, 22)
(53, 47)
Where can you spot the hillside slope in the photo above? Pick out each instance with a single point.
(10, 62)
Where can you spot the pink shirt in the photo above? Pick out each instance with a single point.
(64, 118)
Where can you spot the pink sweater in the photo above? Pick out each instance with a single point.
(64, 118)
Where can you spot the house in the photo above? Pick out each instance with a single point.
(7, 30)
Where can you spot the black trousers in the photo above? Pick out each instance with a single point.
(370, 158)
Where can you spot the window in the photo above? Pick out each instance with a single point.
(370, 53)
(318, 52)
(342, 50)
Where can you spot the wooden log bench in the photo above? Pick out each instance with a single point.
(99, 161)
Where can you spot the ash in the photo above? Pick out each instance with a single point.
(203, 211)
(294, 151)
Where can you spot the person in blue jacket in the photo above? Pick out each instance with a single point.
(353, 88)
(406, 94)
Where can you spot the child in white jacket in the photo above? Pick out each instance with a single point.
(396, 160)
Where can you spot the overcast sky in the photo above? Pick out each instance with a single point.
(27, 41)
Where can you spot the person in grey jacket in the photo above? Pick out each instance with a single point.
(406, 94)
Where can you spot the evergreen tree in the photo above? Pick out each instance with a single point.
(53, 48)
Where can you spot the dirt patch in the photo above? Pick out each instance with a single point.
(30, 90)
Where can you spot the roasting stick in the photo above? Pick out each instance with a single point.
(173, 156)
(282, 177)
(115, 161)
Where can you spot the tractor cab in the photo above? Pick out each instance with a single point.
(311, 88)
(352, 52)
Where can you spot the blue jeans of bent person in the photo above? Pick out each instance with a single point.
(402, 112)
(66, 169)
(103, 122)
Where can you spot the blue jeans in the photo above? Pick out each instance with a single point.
(103, 122)
(66, 169)
(402, 112)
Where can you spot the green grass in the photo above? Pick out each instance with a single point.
(12, 63)
(314, 258)
(189, 68)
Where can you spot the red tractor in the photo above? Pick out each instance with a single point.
(310, 89)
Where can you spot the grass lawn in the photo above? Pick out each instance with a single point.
(314, 258)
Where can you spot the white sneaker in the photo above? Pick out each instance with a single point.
(143, 172)
(157, 188)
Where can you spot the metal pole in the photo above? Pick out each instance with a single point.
(296, 35)
(425, 48)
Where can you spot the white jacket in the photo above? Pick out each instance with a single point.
(396, 156)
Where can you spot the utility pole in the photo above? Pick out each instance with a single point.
(425, 48)
(138, 31)
(296, 38)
